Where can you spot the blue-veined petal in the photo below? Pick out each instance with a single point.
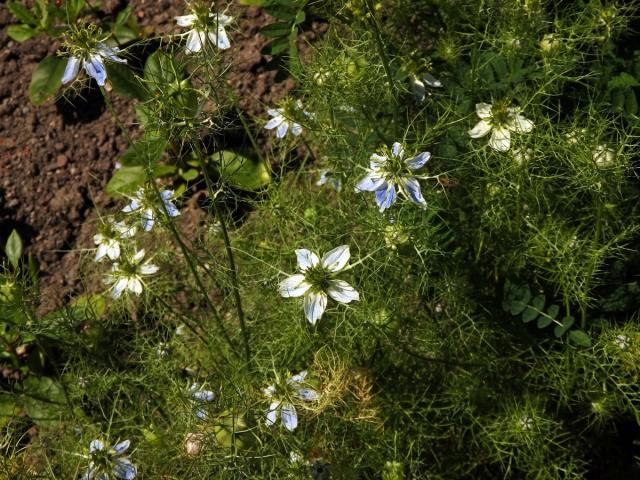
(110, 53)
(418, 161)
(342, 292)
(220, 39)
(88, 474)
(194, 41)
(336, 259)
(185, 20)
(297, 378)
(294, 286)
(121, 447)
(148, 269)
(315, 303)
(95, 69)
(124, 469)
(306, 259)
(412, 187)
(397, 150)
(289, 416)
(369, 183)
(133, 206)
(71, 70)
(119, 287)
(308, 394)
(272, 414)
(148, 219)
(275, 121)
(386, 197)
(282, 129)
(296, 129)
(172, 210)
(376, 161)
(203, 395)
(96, 446)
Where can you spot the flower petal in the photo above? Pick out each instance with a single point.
(272, 413)
(138, 256)
(203, 395)
(480, 130)
(148, 269)
(385, 198)
(369, 183)
(306, 259)
(418, 161)
(274, 122)
(134, 285)
(124, 469)
(95, 69)
(110, 53)
(220, 39)
(296, 129)
(315, 303)
(119, 287)
(194, 42)
(289, 416)
(172, 210)
(397, 150)
(342, 292)
(483, 110)
(297, 378)
(121, 447)
(294, 286)
(308, 394)
(520, 124)
(148, 219)
(96, 446)
(185, 20)
(412, 186)
(101, 252)
(282, 129)
(500, 139)
(419, 91)
(431, 80)
(113, 249)
(133, 206)
(71, 70)
(336, 259)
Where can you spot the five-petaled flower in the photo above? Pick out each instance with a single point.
(501, 122)
(145, 202)
(108, 240)
(316, 281)
(208, 27)
(390, 172)
(200, 396)
(280, 396)
(126, 275)
(93, 63)
(282, 119)
(109, 461)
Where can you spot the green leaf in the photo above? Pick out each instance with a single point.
(566, 324)
(246, 172)
(579, 338)
(22, 13)
(126, 180)
(20, 33)
(190, 175)
(532, 311)
(124, 82)
(553, 311)
(622, 81)
(13, 249)
(74, 8)
(145, 152)
(276, 30)
(44, 399)
(46, 79)
(8, 408)
(160, 69)
(543, 321)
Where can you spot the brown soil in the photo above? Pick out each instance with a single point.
(56, 159)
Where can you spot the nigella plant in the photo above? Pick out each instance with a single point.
(317, 281)
(109, 239)
(500, 121)
(107, 463)
(282, 119)
(86, 51)
(419, 84)
(200, 396)
(145, 203)
(206, 27)
(390, 173)
(281, 395)
(127, 274)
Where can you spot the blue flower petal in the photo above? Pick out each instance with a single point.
(412, 187)
(71, 70)
(418, 161)
(386, 197)
(95, 69)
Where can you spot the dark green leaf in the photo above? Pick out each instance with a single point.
(566, 324)
(276, 30)
(44, 399)
(532, 311)
(580, 338)
(544, 321)
(46, 78)
(20, 33)
(145, 152)
(124, 82)
(622, 81)
(246, 172)
(13, 249)
(8, 408)
(160, 69)
(553, 311)
(126, 180)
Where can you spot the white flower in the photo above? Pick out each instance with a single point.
(390, 172)
(281, 404)
(213, 31)
(502, 122)
(327, 177)
(622, 342)
(603, 156)
(316, 281)
(127, 276)
(106, 461)
(108, 240)
(200, 396)
(93, 64)
(282, 120)
(418, 85)
(145, 202)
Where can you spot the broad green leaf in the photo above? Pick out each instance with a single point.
(553, 311)
(580, 338)
(20, 33)
(145, 152)
(190, 175)
(8, 408)
(45, 80)
(22, 13)
(533, 310)
(276, 30)
(161, 69)
(126, 180)
(242, 171)
(543, 321)
(566, 324)
(43, 399)
(13, 249)
(124, 82)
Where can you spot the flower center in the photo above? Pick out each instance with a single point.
(319, 277)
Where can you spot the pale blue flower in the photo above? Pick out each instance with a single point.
(282, 120)
(126, 275)
(93, 64)
(145, 202)
(390, 174)
(213, 32)
(327, 177)
(200, 397)
(317, 280)
(109, 239)
(283, 406)
(107, 463)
